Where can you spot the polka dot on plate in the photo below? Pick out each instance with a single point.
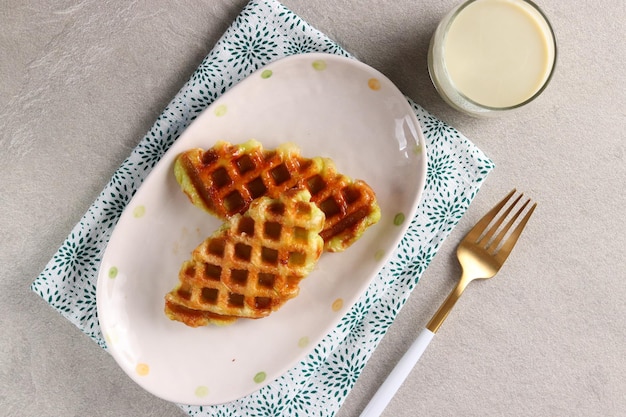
(111, 337)
(266, 74)
(112, 272)
(319, 65)
(337, 304)
(221, 110)
(304, 340)
(201, 391)
(142, 369)
(260, 377)
(139, 211)
(374, 84)
(398, 219)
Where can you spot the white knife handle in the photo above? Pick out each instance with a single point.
(395, 379)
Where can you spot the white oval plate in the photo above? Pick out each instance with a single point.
(329, 106)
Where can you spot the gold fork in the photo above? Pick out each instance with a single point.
(481, 253)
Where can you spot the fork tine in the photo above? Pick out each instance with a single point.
(496, 241)
(482, 224)
(484, 241)
(510, 242)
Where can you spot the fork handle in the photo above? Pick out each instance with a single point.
(395, 379)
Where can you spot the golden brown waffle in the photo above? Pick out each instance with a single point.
(252, 265)
(225, 179)
(195, 318)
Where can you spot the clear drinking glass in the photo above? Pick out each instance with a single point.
(487, 57)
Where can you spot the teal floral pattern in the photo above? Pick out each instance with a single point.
(251, 47)
(318, 385)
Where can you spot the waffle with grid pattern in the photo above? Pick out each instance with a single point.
(252, 265)
(225, 179)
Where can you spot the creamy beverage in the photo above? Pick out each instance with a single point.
(492, 54)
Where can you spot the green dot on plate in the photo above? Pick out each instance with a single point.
(266, 74)
(319, 65)
(260, 377)
(221, 110)
(202, 391)
(112, 272)
(139, 211)
(398, 219)
(304, 340)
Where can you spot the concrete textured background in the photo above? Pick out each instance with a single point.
(82, 81)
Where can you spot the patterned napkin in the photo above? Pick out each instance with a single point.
(265, 31)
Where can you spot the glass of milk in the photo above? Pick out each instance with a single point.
(490, 56)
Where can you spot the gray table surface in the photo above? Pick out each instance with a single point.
(82, 81)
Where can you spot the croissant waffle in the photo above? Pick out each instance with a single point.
(252, 265)
(225, 179)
